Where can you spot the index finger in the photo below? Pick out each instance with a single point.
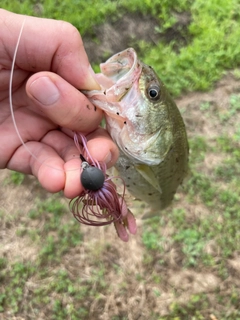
(46, 45)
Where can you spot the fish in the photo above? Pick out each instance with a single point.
(145, 123)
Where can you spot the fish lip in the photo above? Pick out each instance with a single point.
(117, 69)
(121, 71)
(119, 66)
(115, 81)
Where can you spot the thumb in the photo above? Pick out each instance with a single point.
(62, 103)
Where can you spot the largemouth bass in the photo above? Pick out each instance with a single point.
(147, 126)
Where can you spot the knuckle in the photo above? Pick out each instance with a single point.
(70, 32)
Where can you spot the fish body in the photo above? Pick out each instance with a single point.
(147, 126)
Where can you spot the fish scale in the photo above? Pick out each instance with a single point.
(147, 126)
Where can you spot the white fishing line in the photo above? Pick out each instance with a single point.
(11, 104)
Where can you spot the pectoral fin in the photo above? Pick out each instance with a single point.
(148, 175)
(113, 171)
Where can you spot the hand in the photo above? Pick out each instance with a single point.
(51, 67)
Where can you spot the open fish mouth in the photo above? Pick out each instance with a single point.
(118, 74)
(120, 65)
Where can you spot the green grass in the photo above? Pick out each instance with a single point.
(87, 14)
(214, 47)
(59, 237)
(49, 295)
(233, 110)
(13, 293)
(55, 239)
(15, 178)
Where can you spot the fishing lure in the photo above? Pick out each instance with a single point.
(92, 178)
(100, 204)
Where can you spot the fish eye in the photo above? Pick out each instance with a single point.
(153, 92)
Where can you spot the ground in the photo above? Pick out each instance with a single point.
(130, 30)
(182, 265)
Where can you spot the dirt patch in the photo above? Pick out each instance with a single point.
(129, 30)
(207, 122)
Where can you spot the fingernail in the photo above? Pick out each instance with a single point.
(108, 158)
(44, 91)
(90, 82)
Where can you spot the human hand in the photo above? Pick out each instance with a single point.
(51, 66)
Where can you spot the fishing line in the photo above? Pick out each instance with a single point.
(11, 105)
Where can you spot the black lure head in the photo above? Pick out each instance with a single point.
(92, 178)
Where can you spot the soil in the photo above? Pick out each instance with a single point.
(112, 37)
